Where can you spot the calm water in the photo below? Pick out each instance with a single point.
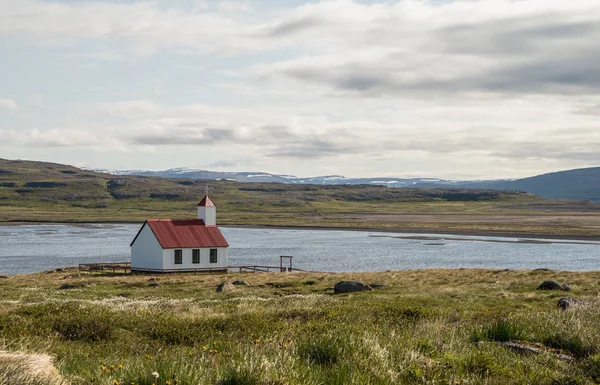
(26, 249)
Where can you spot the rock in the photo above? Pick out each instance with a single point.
(225, 286)
(154, 285)
(240, 283)
(566, 302)
(553, 285)
(377, 285)
(68, 286)
(153, 279)
(59, 270)
(123, 295)
(350, 287)
(3, 277)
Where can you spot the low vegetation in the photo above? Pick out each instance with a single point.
(423, 327)
(48, 192)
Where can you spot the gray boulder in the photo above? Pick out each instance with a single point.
(225, 286)
(566, 302)
(553, 285)
(350, 287)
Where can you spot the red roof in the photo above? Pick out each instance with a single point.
(184, 233)
(207, 202)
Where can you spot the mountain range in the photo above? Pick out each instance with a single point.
(577, 184)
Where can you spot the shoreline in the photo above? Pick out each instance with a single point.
(418, 230)
(414, 230)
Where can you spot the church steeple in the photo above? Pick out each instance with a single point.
(207, 211)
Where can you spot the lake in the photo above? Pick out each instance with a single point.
(33, 248)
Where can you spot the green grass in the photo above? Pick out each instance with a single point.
(429, 327)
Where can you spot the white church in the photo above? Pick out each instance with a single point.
(170, 245)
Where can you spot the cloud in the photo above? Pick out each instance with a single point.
(270, 139)
(60, 138)
(145, 26)
(404, 48)
(267, 132)
(412, 48)
(8, 104)
(473, 84)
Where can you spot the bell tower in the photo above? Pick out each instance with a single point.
(207, 211)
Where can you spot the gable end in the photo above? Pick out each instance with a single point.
(140, 231)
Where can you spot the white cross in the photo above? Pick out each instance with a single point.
(206, 189)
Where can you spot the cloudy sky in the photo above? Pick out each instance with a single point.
(435, 88)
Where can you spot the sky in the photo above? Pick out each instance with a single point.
(456, 89)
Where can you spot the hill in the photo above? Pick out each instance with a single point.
(38, 191)
(579, 184)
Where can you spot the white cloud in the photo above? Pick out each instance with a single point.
(60, 138)
(405, 85)
(146, 26)
(8, 104)
(406, 48)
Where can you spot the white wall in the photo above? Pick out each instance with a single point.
(146, 252)
(168, 256)
(208, 215)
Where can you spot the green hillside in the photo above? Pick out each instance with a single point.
(38, 191)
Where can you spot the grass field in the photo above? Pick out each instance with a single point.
(47, 192)
(424, 327)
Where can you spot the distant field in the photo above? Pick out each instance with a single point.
(47, 192)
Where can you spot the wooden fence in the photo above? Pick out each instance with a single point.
(125, 267)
